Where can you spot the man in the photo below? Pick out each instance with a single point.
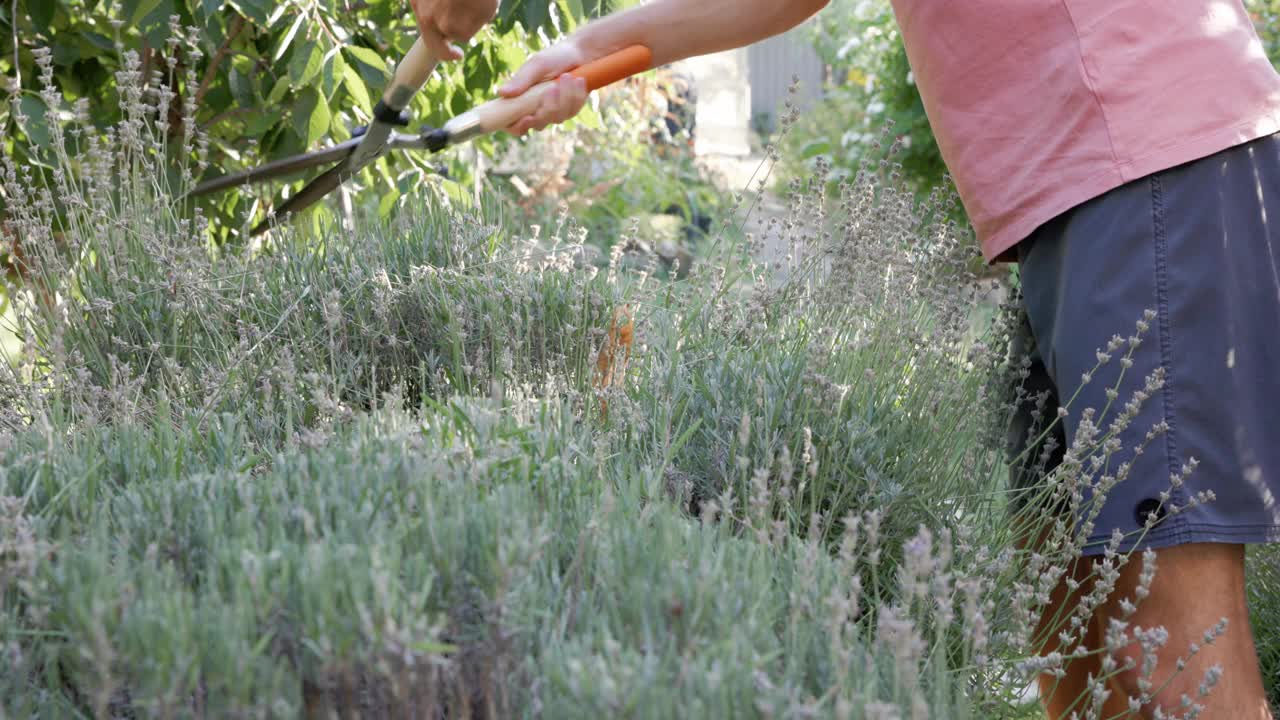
(1124, 153)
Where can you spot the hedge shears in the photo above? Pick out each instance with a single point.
(381, 136)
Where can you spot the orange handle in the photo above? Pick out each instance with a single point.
(614, 67)
(503, 112)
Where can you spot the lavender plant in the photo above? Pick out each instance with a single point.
(367, 472)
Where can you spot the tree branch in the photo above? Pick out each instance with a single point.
(210, 72)
(17, 58)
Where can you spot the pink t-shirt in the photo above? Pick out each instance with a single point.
(1040, 105)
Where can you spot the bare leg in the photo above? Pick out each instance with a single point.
(1061, 697)
(1194, 587)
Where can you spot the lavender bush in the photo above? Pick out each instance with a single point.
(380, 473)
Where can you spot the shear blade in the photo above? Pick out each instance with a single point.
(309, 195)
(279, 168)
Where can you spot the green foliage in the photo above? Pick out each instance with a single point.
(620, 170)
(1266, 18)
(271, 78)
(871, 91)
(1264, 610)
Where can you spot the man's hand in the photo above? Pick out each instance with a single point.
(444, 22)
(560, 103)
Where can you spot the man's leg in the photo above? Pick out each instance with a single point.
(1195, 586)
(1071, 693)
(1036, 445)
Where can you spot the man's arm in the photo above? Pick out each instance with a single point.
(672, 29)
(679, 29)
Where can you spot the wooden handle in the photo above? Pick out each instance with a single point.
(617, 66)
(502, 113)
(411, 74)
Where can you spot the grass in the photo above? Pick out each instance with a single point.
(1263, 569)
(422, 468)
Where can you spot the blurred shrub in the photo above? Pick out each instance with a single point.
(260, 79)
(626, 172)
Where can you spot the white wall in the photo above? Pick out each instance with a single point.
(724, 102)
(735, 85)
(773, 63)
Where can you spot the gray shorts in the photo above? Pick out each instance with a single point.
(1199, 245)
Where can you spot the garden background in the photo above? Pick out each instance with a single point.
(560, 427)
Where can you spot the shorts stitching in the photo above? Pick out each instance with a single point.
(1177, 526)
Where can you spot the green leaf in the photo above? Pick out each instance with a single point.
(570, 12)
(283, 141)
(479, 70)
(278, 12)
(241, 87)
(815, 148)
(36, 127)
(278, 92)
(154, 24)
(211, 7)
(510, 55)
(459, 103)
(254, 9)
(306, 63)
(355, 86)
(455, 192)
(332, 73)
(288, 38)
(142, 10)
(536, 15)
(41, 13)
(97, 40)
(364, 58)
(388, 203)
(408, 181)
(311, 116)
(571, 8)
(259, 123)
(69, 53)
